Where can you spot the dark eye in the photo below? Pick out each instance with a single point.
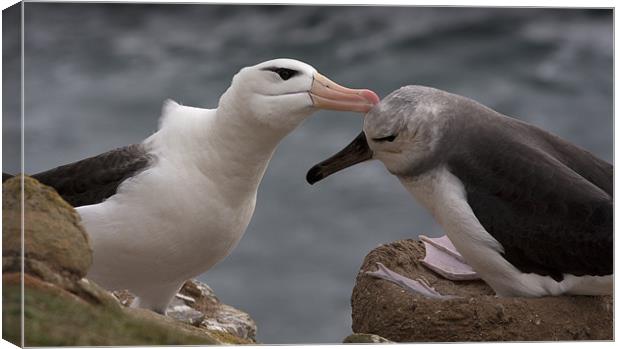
(286, 74)
(385, 139)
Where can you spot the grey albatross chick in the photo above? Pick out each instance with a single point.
(170, 208)
(531, 213)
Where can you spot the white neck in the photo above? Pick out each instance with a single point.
(245, 147)
(443, 194)
(225, 146)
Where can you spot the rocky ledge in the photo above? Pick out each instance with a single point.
(62, 308)
(383, 308)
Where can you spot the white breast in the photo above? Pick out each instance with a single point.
(444, 196)
(180, 217)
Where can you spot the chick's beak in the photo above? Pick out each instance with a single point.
(327, 94)
(357, 151)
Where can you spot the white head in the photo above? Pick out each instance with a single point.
(281, 93)
(404, 132)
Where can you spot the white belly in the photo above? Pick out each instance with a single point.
(162, 235)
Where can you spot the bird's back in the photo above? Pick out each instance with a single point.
(92, 180)
(547, 201)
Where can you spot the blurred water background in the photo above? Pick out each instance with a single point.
(96, 75)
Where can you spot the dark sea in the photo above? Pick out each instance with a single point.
(97, 74)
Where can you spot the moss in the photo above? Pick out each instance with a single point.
(11, 312)
(54, 317)
(52, 228)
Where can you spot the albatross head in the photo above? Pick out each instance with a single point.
(283, 92)
(403, 131)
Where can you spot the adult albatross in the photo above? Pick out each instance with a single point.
(529, 211)
(170, 208)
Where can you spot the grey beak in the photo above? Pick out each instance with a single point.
(357, 151)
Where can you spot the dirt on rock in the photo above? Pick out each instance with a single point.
(384, 308)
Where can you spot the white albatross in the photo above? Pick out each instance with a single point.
(170, 208)
(531, 213)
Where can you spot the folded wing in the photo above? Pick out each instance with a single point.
(548, 202)
(92, 180)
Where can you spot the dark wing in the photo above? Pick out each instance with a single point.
(92, 180)
(548, 202)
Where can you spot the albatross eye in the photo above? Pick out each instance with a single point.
(385, 139)
(285, 74)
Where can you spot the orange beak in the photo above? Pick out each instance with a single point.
(327, 94)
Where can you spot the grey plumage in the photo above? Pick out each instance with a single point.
(547, 201)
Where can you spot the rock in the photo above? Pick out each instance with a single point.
(52, 232)
(61, 307)
(231, 320)
(199, 297)
(365, 338)
(185, 313)
(124, 297)
(383, 308)
(197, 304)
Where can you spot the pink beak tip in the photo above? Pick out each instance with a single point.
(370, 96)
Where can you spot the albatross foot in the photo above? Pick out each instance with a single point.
(417, 286)
(443, 258)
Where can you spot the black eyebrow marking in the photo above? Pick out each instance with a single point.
(284, 73)
(390, 138)
(273, 69)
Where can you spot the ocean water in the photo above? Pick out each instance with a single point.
(96, 75)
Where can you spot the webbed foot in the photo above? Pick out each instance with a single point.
(443, 258)
(418, 286)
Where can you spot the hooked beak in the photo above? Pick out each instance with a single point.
(327, 94)
(357, 151)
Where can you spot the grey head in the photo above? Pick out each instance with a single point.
(404, 131)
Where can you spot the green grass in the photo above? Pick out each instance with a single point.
(11, 312)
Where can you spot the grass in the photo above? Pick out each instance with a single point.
(59, 318)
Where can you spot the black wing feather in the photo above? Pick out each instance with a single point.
(548, 202)
(92, 180)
